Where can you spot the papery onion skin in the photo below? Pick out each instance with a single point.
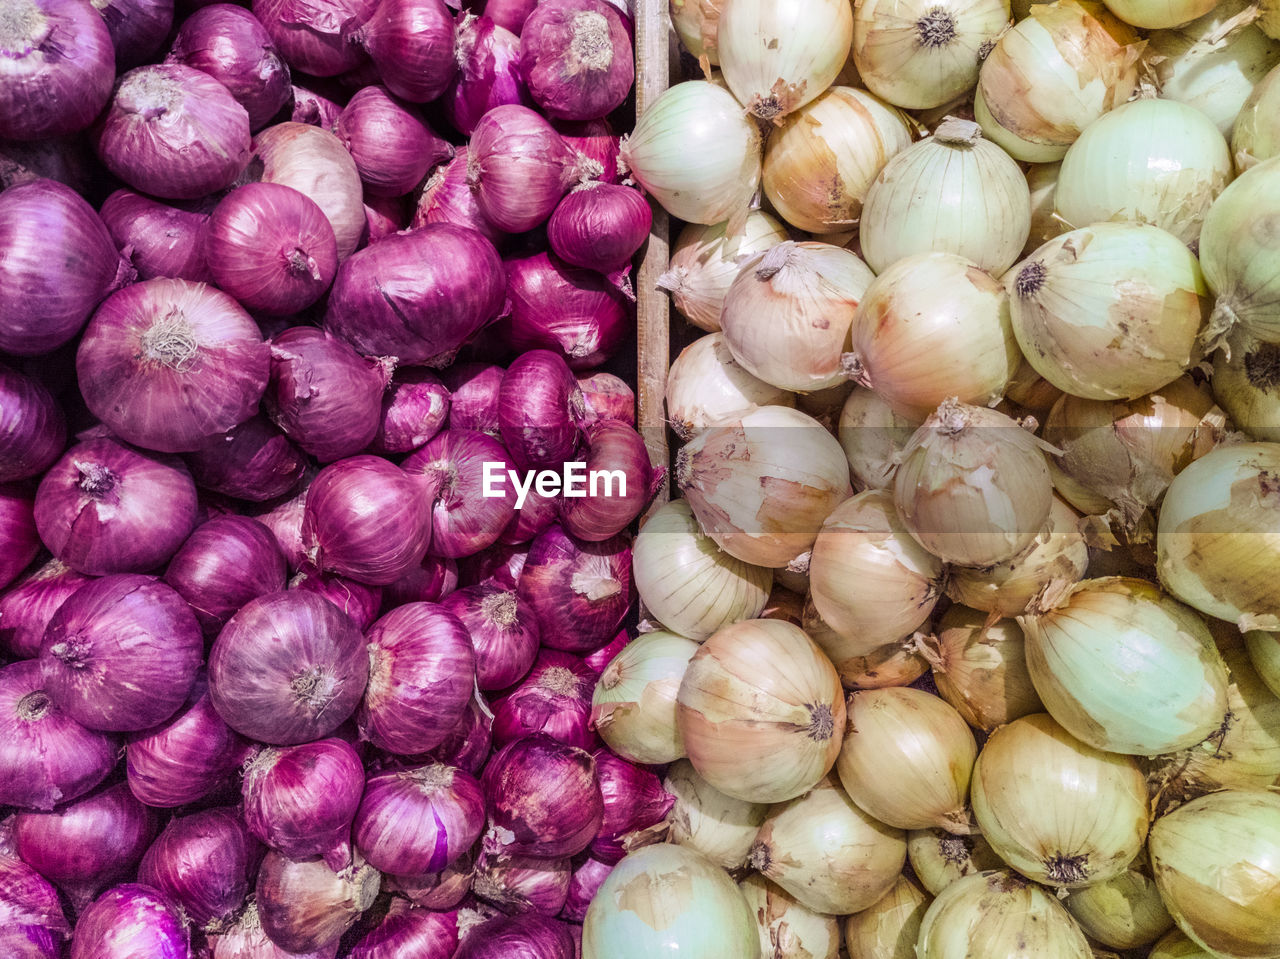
(419, 820)
(407, 931)
(174, 132)
(534, 936)
(19, 532)
(287, 668)
(31, 901)
(554, 698)
(583, 886)
(518, 167)
(30, 602)
(414, 408)
(131, 920)
(33, 427)
(165, 237)
(706, 384)
(710, 919)
(890, 926)
(540, 410)
(360, 601)
(633, 707)
(315, 41)
(939, 858)
(579, 592)
(392, 146)
(412, 46)
(387, 302)
(635, 805)
(224, 563)
(607, 397)
(44, 223)
(718, 826)
(447, 198)
(469, 744)
(466, 515)
(599, 226)
(244, 939)
(620, 482)
(121, 653)
(520, 884)
(575, 56)
(306, 906)
(254, 461)
(503, 632)
(872, 435)
(1246, 384)
(488, 56)
(787, 924)
(48, 758)
(1254, 134)
(1027, 793)
(1123, 913)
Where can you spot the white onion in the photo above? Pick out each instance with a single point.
(1159, 14)
(872, 436)
(720, 827)
(788, 928)
(939, 858)
(696, 23)
(706, 384)
(633, 707)
(889, 927)
(1042, 179)
(1256, 134)
(1124, 912)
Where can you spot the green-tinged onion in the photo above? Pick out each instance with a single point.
(872, 436)
(973, 487)
(827, 852)
(1150, 161)
(923, 53)
(1246, 384)
(1159, 14)
(1054, 73)
(998, 913)
(706, 384)
(1056, 809)
(869, 580)
(1240, 254)
(1110, 311)
(921, 308)
(1215, 862)
(1256, 134)
(889, 927)
(720, 827)
(952, 193)
(1121, 913)
(776, 57)
(907, 758)
(1264, 654)
(668, 899)
(980, 668)
(696, 23)
(786, 317)
(761, 711)
(761, 483)
(788, 928)
(687, 583)
(939, 858)
(1213, 62)
(1175, 945)
(819, 164)
(1126, 668)
(696, 152)
(705, 260)
(1218, 540)
(633, 707)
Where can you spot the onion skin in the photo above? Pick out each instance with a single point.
(504, 632)
(313, 40)
(27, 606)
(575, 56)
(255, 461)
(224, 563)
(29, 899)
(599, 226)
(553, 698)
(414, 409)
(583, 886)
(419, 820)
(540, 410)
(245, 939)
(465, 518)
(165, 237)
(412, 46)
(520, 884)
(19, 532)
(359, 601)
(33, 428)
(421, 933)
(391, 144)
(306, 906)
(579, 592)
(47, 758)
(469, 744)
(634, 703)
(515, 937)
(635, 805)
(131, 920)
(488, 72)
(518, 167)
(447, 198)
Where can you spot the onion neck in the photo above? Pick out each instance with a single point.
(954, 131)
(760, 858)
(96, 480)
(500, 609)
(171, 342)
(774, 260)
(1030, 279)
(299, 263)
(955, 850)
(23, 28)
(34, 706)
(591, 47)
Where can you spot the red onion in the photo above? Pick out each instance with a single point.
(421, 676)
(417, 296)
(616, 451)
(28, 899)
(232, 46)
(602, 657)
(384, 216)
(499, 566)
(306, 906)
(540, 410)
(410, 933)
(518, 167)
(520, 884)
(170, 365)
(503, 631)
(57, 261)
(419, 820)
(270, 247)
(543, 799)
(584, 885)
(508, 14)
(531, 519)
(107, 508)
(58, 64)
(312, 34)
(121, 653)
(138, 28)
(474, 498)
(313, 109)
(85, 844)
(367, 519)
(187, 758)
(288, 668)
(33, 429)
(473, 389)
(46, 757)
(596, 140)
(575, 56)
(607, 397)
(447, 198)
(600, 226)
(469, 743)
(174, 132)
(316, 164)
(529, 936)
(579, 591)
(254, 461)
(27, 607)
(414, 409)
(246, 940)
(325, 396)
(226, 562)
(437, 890)
(283, 516)
(65, 159)
(392, 146)
(488, 72)
(411, 44)
(300, 800)
(164, 238)
(634, 801)
(130, 921)
(204, 863)
(554, 698)
(359, 601)
(428, 582)
(576, 312)
(19, 542)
